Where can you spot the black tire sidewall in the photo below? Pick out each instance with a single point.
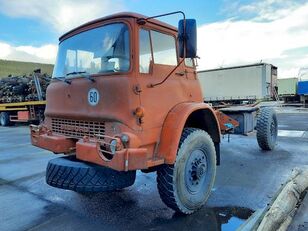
(196, 140)
(264, 136)
(70, 173)
(4, 119)
(273, 118)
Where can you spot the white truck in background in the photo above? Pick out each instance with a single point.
(239, 83)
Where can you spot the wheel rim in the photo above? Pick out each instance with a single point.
(196, 171)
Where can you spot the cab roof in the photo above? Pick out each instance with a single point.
(119, 15)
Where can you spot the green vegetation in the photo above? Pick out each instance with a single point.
(16, 68)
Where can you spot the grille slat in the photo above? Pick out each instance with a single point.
(77, 128)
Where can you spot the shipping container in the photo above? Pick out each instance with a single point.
(239, 83)
(287, 87)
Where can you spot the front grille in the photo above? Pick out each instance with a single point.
(77, 128)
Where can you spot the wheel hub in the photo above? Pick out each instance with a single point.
(196, 169)
(201, 170)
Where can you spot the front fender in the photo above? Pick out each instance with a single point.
(175, 122)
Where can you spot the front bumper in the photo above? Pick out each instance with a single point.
(54, 143)
(125, 159)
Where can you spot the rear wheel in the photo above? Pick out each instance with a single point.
(5, 119)
(186, 185)
(267, 128)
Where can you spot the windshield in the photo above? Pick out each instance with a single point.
(100, 50)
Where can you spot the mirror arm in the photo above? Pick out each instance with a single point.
(167, 14)
(143, 21)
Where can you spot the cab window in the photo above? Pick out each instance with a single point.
(100, 50)
(145, 54)
(164, 50)
(156, 47)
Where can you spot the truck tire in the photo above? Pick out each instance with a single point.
(5, 119)
(267, 128)
(186, 185)
(70, 173)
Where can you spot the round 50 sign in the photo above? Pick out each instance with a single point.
(93, 97)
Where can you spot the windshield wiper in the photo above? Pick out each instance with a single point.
(63, 79)
(76, 73)
(87, 76)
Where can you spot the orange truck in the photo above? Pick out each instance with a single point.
(125, 96)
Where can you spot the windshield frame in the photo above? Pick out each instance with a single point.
(86, 28)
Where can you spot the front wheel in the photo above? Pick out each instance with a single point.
(186, 185)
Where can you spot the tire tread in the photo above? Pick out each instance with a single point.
(87, 177)
(263, 120)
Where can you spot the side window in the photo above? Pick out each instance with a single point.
(145, 54)
(164, 49)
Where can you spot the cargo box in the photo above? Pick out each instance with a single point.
(255, 81)
(287, 87)
(303, 87)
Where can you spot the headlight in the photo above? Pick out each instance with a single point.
(113, 146)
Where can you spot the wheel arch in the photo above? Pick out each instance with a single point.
(196, 115)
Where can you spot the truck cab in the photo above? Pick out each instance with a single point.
(125, 96)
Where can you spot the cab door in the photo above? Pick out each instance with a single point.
(157, 59)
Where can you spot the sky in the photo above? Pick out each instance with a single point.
(230, 32)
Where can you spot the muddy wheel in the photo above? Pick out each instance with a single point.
(267, 128)
(70, 173)
(186, 185)
(5, 119)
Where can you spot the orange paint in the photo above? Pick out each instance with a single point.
(153, 118)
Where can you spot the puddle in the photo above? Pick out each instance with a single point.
(230, 218)
(220, 219)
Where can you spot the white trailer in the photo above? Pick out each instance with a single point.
(239, 83)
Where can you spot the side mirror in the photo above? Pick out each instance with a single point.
(187, 38)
